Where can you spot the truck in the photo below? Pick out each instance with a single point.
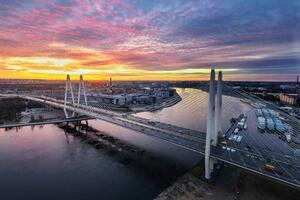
(240, 125)
(288, 137)
(236, 131)
(270, 167)
(224, 142)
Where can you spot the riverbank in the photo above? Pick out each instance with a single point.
(231, 183)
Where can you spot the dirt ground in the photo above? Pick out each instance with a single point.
(230, 184)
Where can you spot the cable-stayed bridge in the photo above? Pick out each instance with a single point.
(241, 155)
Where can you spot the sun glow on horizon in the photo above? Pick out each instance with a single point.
(93, 64)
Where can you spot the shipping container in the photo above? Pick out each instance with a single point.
(239, 138)
(279, 126)
(261, 123)
(265, 112)
(270, 124)
(259, 112)
(273, 113)
(235, 137)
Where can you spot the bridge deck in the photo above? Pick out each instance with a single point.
(52, 121)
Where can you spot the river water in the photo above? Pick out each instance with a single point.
(192, 111)
(45, 163)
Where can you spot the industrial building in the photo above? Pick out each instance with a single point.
(291, 99)
(111, 99)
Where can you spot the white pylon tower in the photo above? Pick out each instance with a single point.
(81, 87)
(213, 121)
(68, 89)
(218, 123)
(210, 123)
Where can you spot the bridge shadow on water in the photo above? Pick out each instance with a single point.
(162, 170)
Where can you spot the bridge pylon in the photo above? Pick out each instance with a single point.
(81, 88)
(210, 123)
(213, 121)
(68, 89)
(218, 122)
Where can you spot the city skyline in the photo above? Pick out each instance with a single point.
(145, 40)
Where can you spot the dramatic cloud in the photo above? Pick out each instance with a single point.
(141, 39)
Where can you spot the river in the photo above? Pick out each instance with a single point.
(45, 163)
(192, 111)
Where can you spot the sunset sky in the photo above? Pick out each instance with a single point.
(150, 39)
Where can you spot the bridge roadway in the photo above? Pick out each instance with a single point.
(252, 159)
(50, 121)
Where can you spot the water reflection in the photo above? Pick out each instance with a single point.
(47, 163)
(192, 111)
